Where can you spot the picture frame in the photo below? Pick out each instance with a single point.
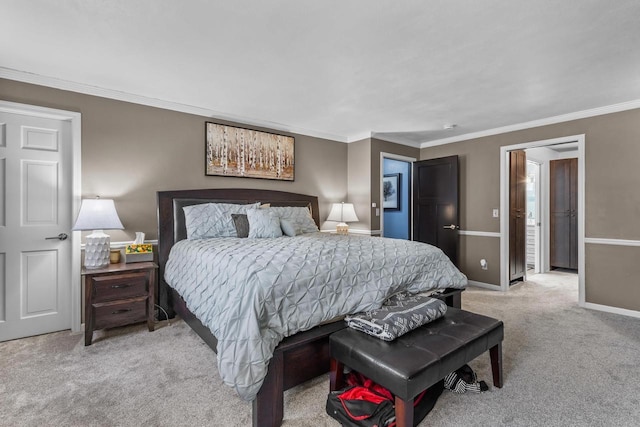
(247, 153)
(391, 191)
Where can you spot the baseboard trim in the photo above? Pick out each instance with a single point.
(484, 285)
(610, 309)
(479, 233)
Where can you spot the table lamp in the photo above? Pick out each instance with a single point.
(343, 213)
(97, 215)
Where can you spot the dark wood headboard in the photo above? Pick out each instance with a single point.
(171, 218)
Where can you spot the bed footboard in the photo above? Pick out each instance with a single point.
(297, 359)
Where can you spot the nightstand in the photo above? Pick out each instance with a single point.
(118, 295)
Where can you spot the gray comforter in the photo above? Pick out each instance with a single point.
(251, 293)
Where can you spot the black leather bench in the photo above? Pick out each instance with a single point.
(420, 358)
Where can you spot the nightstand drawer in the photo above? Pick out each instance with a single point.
(117, 313)
(119, 286)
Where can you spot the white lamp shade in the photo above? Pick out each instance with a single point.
(98, 214)
(342, 212)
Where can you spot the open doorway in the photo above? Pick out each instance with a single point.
(539, 204)
(541, 154)
(396, 196)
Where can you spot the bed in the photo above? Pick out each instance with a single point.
(298, 357)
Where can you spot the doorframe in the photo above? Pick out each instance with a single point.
(410, 160)
(75, 119)
(539, 265)
(504, 213)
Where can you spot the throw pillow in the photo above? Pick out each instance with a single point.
(242, 224)
(263, 223)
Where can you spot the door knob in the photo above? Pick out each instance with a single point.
(450, 227)
(61, 236)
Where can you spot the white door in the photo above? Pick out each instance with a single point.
(35, 205)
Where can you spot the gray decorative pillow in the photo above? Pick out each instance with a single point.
(242, 224)
(299, 216)
(287, 227)
(213, 219)
(263, 223)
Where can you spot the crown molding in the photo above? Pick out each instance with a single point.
(53, 82)
(56, 83)
(395, 140)
(615, 108)
(359, 137)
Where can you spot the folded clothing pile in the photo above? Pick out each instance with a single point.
(399, 314)
(463, 380)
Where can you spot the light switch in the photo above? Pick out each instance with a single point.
(496, 213)
(373, 205)
(377, 211)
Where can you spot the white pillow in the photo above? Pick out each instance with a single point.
(213, 219)
(263, 223)
(287, 227)
(299, 216)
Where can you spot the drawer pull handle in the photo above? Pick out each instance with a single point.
(124, 310)
(119, 286)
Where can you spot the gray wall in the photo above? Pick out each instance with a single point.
(612, 200)
(130, 151)
(359, 182)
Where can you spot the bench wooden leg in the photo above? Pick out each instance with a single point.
(336, 375)
(404, 413)
(496, 364)
(455, 301)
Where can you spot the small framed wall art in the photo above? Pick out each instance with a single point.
(391, 191)
(239, 152)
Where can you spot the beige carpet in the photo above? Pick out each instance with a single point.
(563, 366)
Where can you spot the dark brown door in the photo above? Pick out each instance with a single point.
(563, 228)
(517, 214)
(435, 204)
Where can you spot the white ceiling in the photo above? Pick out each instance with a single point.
(342, 69)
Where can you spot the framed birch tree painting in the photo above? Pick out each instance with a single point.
(239, 152)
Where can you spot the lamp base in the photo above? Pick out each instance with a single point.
(96, 250)
(342, 228)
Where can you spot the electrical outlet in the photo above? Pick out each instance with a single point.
(483, 264)
(496, 213)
